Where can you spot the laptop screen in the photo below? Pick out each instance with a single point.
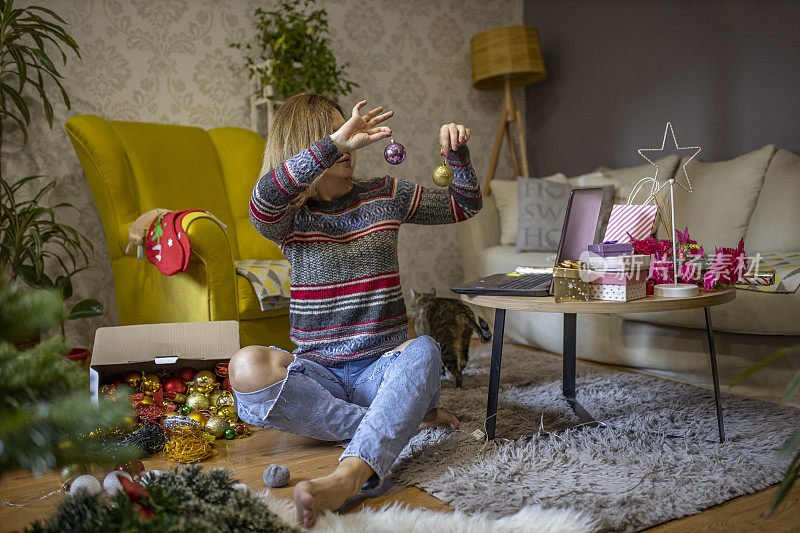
(580, 222)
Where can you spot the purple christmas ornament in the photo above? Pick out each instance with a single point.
(394, 153)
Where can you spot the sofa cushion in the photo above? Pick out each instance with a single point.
(626, 178)
(507, 202)
(249, 306)
(725, 194)
(542, 205)
(776, 218)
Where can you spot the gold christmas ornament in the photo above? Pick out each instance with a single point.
(171, 414)
(204, 381)
(197, 401)
(147, 400)
(442, 175)
(133, 379)
(216, 425)
(226, 398)
(179, 398)
(228, 412)
(150, 384)
(198, 417)
(213, 398)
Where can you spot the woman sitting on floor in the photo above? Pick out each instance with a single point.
(354, 374)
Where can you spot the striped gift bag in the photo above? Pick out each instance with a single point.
(630, 222)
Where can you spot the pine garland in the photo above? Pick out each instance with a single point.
(45, 401)
(183, 499)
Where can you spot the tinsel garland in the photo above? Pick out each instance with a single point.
(188, 444)
(149, 437)
(185, 499)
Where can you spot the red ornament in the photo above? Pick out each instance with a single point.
(186, 373)
(227, 385)
(116, 379)
(174, 385)
(221, 369)
(239, 429)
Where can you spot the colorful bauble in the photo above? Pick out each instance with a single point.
(213, 398)
(216, 425)
(228, 412)
(185, 410)
(197, 401)
(239, 429)
(86, 483)
(174, 385)
(150, 384)
(186, 373)
(442, 175)
(394, 153)
(112, 484)
(133, 379)
(204, 381)
(199, 418)
(177, 421)
(230, 434)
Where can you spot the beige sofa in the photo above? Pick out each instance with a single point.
(756, 196)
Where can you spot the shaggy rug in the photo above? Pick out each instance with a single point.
(658, 457)
(399, 519)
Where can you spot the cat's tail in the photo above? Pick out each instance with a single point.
(482, 329)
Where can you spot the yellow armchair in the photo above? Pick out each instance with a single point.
(133, 167)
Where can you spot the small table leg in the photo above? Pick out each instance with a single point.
(494, 372)
(568, 375)
(713, 354)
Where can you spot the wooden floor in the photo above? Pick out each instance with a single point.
(25, 497)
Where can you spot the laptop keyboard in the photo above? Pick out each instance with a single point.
(526, 281)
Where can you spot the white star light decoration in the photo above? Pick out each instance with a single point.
(656, 187)
(673, 290)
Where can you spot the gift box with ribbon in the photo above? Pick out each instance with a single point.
(570, 282)
(618, 293)
(611, 248)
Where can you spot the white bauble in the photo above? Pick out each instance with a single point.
(111, 482)
(86, 483)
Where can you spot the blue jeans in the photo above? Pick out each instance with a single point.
(376, 403)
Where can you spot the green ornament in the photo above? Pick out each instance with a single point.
(185, 410)
(230, 434)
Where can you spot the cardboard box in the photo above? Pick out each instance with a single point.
(618, 293)
(154, 347)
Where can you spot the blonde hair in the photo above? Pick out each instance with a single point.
(301, 121)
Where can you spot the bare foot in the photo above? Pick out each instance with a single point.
(329, 492)
(438, 418)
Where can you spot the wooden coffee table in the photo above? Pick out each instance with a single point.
(501, 304)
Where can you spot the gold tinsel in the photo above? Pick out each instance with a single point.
(188, 444)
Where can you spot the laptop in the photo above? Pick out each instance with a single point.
(577, 233)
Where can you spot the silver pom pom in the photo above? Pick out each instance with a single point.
(276, 476)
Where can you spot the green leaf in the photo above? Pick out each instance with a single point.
(780, 354)
(85, 309)
(33, 279)
(64, 284)
(786, 485)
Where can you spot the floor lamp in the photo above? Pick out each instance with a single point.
(503, 58)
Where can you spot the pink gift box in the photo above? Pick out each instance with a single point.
(618, 293)
(618, 278)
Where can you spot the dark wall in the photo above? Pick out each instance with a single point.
(725, 73)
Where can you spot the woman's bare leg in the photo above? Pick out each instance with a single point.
(254, 367)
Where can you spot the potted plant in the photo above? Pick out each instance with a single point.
(30, 231)
(293, 52)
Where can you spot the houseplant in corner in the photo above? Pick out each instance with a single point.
(294, 52)
(29, 231)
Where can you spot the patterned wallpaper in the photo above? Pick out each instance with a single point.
(169, 61)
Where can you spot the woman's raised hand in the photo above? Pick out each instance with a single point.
(452, 136)
(359, 131)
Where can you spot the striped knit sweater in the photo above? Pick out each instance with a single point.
(346, 302)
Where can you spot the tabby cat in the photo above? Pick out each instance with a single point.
(451, 322)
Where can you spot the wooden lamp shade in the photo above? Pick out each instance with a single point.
(503, 58)
(513, 51)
